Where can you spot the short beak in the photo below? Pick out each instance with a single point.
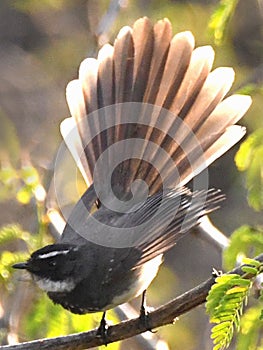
(23, 265)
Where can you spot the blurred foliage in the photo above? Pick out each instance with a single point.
(251, 89)
(250, 329)
(29, 6)
(246, 241)
(249, 158)
(8, 139)
(22, 183)
(61, 322)
(8, 235)
(220, 19)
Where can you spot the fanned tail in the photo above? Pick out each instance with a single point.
(151, 102)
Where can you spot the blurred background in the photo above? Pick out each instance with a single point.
(41, 46)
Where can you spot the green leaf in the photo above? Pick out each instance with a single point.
(218, 347)
(252, 262)
(245, 153)
(254, 181)
(244, 241)
(238, 289)
(249, 269)
(225, 306)
(250, 158)
(220, 19)
(219, 327)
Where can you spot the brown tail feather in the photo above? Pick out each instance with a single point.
(147, 65)
(178, 59)
(162, 33)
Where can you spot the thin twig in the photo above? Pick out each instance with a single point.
(208, 232)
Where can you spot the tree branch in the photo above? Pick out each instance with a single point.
(165, 314)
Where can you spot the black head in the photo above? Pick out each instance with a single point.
(52, 267)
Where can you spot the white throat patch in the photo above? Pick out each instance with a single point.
(55, 286)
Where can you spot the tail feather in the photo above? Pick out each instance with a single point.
(182, 110)
(156, 57)
(176, 64)
(106, 93)
(214, 89)
(88, 75)
(106, 86)
(162, 35)
(123, 65)
(227, 113)
(199, 67)
(143, 38)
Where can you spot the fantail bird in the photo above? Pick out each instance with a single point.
(149, 109)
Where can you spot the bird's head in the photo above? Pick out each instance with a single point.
(52, 267)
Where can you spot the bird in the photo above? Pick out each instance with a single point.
(148, 116)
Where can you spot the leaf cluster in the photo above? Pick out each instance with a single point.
(226, 300)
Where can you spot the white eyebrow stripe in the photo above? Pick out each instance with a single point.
(55, 253)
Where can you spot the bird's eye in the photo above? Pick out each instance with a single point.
(52, 263)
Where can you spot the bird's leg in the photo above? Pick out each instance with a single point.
(144, 317)
(143, 312)
(102, 331)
